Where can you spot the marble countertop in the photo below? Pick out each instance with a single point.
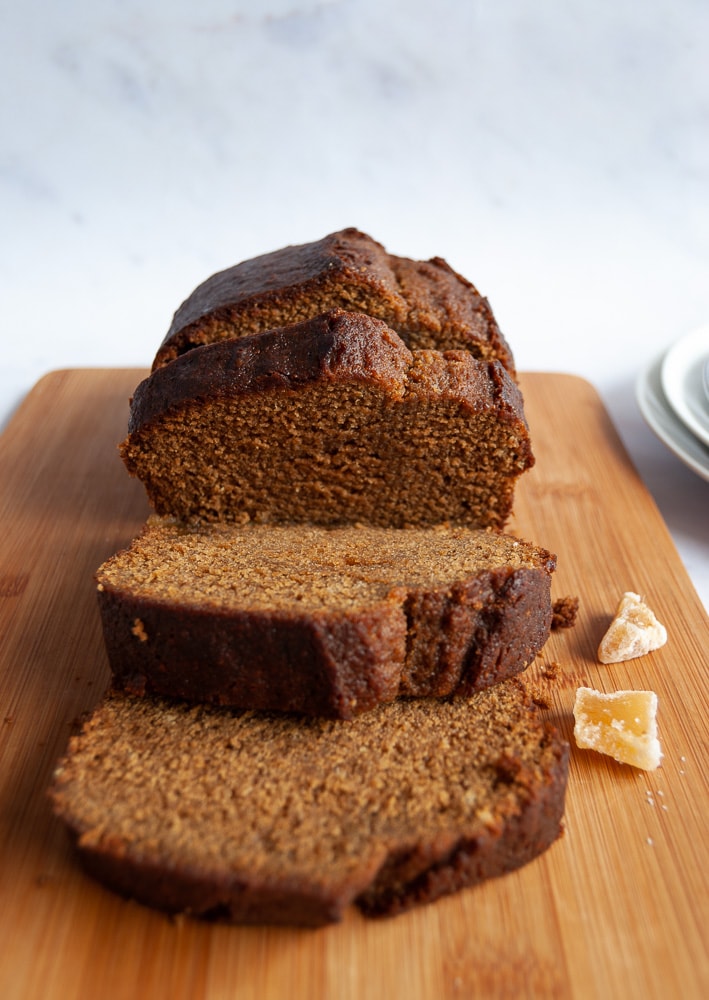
(557, 154)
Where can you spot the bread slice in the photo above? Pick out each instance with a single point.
(267, 818)
(321, 621)
(331, 421)
(426, 302)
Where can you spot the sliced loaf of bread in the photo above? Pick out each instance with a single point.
(321, 621)
(331, 421)
(426, 302)
(262, 818)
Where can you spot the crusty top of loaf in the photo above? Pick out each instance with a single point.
(335, 346)
(332, 347)
(429, 304)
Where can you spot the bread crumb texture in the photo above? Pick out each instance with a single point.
(564, 612)
(622, 725)
(306, 567)
(259, 799)
(633, 632)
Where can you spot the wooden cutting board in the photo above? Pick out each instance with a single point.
(617, 907)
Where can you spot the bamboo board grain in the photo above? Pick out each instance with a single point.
(618, 907)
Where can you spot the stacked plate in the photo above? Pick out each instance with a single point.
(673, 396)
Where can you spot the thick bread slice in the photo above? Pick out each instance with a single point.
(332, 421)
(321, 621)
(258, 818)
(426, 302)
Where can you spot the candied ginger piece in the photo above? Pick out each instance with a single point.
(633, 632)
(622, 725)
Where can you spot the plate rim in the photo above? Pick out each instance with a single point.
(670, 430)
(682, 366)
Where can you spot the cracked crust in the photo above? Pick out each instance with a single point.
(427, 303)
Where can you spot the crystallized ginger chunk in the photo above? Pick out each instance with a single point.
(622, 725)
(633, 632)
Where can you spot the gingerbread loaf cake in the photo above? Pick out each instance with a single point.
(332, 421)
(326, 622)
(270, 818)
(428, 304)
(315, 640)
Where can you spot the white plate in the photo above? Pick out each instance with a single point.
(682, 377)
(664, 422)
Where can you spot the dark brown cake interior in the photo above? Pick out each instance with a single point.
(281, 568)
(330, 422)
(256, 817)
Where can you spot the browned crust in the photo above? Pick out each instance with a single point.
(453, 640)
(332, 666)
(336, 346)
(427, 302)
(420, 875)
(476, 632)
(237, 899)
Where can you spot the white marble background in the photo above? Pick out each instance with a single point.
(556, 152)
